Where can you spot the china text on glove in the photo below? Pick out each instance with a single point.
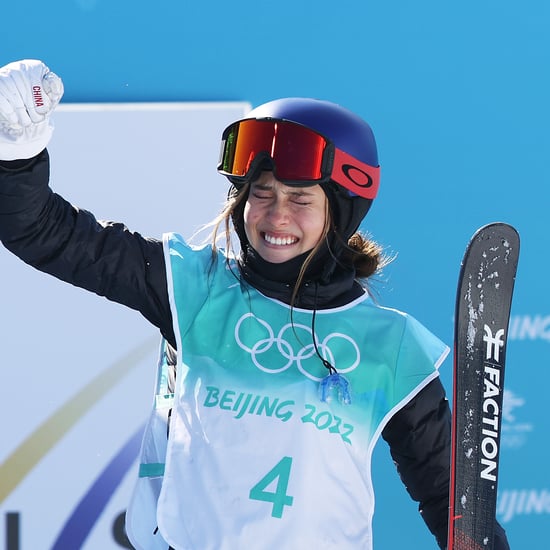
(29, 92)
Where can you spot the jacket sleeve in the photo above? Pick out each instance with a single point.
(419, 436)
(50, 234)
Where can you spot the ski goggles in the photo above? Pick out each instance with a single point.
(299, 156)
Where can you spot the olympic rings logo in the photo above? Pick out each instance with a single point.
(280, 343)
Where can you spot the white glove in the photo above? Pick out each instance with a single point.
(29, 92)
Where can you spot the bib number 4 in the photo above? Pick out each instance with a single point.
(276, 479)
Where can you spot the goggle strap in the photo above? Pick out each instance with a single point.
(360, 178)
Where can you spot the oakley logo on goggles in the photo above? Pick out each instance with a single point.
(300, 156)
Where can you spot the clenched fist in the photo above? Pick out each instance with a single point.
(29, 92)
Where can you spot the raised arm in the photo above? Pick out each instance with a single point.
(46, 231)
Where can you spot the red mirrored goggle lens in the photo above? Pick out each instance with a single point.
(297, 151)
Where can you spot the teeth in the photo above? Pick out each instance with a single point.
(279, 241)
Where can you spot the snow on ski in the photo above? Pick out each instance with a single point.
(483, 303)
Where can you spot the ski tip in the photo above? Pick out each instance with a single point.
(500, 233)
(497, 227)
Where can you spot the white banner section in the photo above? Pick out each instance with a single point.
(77, 372)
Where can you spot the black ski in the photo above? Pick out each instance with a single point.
(483, 302)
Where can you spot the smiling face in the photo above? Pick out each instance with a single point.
(282, 222)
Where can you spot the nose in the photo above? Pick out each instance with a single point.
(277, 213)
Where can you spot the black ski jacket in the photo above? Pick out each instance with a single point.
(50, 234)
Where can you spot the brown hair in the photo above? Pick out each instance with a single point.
(233, 208)
(365, 255)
